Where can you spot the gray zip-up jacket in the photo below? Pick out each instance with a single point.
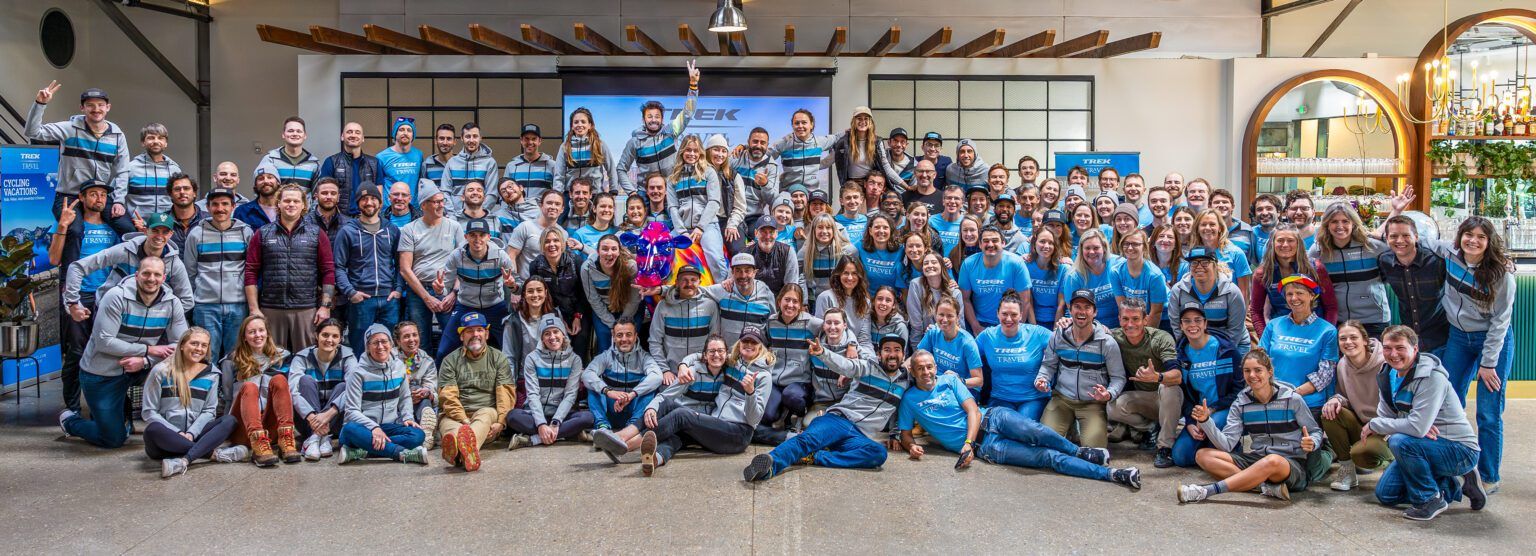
(123, 259)
(536, 177)
(1225, 310)
(1074, 369)
(802, 159)
(693, 201)
(1272, 428)
(149, 189)
(858, 325)
(646, 152)
(1466, 314)
(824, 379)
(215, 261)
(897, 173)
(789, 342)
(421, 369)
(923, 315)
(478, 281)
(634, 372)
(596, 285)
(737, 311)
(966, 177)
(895, 325)
(699, 395)
(466, 167)
(327, 377)
(377, 393)
(82, 155)
(580, 163)
(302, 173)
(1356, 279)
(733, 404)
(757, 199)
(162, 404)
(874, 396)
(269, 368)
(553, 382)
(680, 326)
(126, 327)
(1424, 399)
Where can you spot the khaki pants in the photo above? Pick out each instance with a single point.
(1061, 413)
(1140, 409)
(1343, 434)
(291, 329)
(480, 422)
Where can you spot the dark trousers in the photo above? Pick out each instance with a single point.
(521, 422)
(309, 389)
(73, 336)
(678, 426)
(790, 400)
(494, 314)
(160, 442)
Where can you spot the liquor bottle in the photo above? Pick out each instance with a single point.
(1502, 126)
(1522, 124)
(1488, 117)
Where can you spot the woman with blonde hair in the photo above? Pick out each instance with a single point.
(857, 150)
(583, 154)
(1090, 271)
(263, 405)
(824, 246)
(181, 397)
(693, 203)
(725, 424)
(1211, 233)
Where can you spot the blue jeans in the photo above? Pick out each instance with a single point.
(1463, 352)
(401, 438)
(223, 323)
(376, 309)
(1423, 468)
(604, 416)
(416, 311)
(1185, 446)
(494, 315)
(602, 334)
(1031, 409)
(1012, 439)
(832, 441)
(106, 395)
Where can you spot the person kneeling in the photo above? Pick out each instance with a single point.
(1281, 455)
(943, 405)
(552, 375)
(379, 413)
(181, 396)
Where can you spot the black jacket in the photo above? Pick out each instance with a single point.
(564, 280)
(349, 173)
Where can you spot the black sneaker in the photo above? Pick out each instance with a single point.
(1472, 488)
(1163, 459)
(1129, 476)
(1149, 442)
(760, 469)
(1427, 510)
(1096, 456)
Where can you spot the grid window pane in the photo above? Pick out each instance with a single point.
(946, 122)
(551, 123)
(891, 94)
(410, 91)
(886, 120)
(500, 121)
(1013, 150)
(501, 92)
(453, 92)
(981, 125)
(504, 149)
(991, 152)
(1069, 125)
(938, 94)
(375, 121)
(1025, 125)
(455, 118)
(981, 94)
(1018, 95)
(1069, 95)
(373, 145)
(542, 92)
(366, 92)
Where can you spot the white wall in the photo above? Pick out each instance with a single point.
(1395, 28)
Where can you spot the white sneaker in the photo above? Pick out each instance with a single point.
(232, 454)
(171, 467)
(1347, 479)
(65, 416)
(326, 449)
(1191, 493)
(518, 441)
(1277, 490)
(311, 448)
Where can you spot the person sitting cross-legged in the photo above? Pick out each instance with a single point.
(476, 391)
(552, 377)
(381, 421)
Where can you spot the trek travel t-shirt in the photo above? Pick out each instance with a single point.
(957, 356)
(1298, 350)
(987, 285)
(1103, 294)
(883, 268)
(1044, 291)
(1014, 361)
(1205, 366)
(940, 411)
(96, 238)
(1151, 287)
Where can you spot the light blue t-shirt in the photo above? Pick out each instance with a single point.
(402, 167)
(96, 238)
(949, 232)
(1151, 287)
(1103, 294)
(958, 355)
(940, 411)
(883, 268)
(1207, 369)
(1044, 291)
(987, 285)
(1298, 350)
(854, 226)
(1014, 361)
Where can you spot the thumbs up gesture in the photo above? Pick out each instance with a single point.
(1201, 413)
(1307, 444)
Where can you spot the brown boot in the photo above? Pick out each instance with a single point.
(286, 446)
(261, 449)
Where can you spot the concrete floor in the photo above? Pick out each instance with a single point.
(62, 496)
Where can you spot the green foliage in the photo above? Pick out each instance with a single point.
(1506, 164)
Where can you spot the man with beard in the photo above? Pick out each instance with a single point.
(533, 171)
(1265, 213)
(443, 141)
(620, 384)
(214, 255)
(578, 212)
(476, 391)
(848, 435)
(122, 260)
(759, 173)
(291, 163)
(291, 260)
(149, 173)
(226, 175)
(969, 169)
(474, 163)
(652, 147)
(925, 189)
(262, 210)
(84, 230)
(185, 214)
(1300, 211)
(327, 210)
(744, 300)
(684, 318)
(402, 162)
(897, 167)
(350, 167)
(472, 208)
(367, 275)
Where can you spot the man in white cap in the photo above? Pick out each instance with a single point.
(744, 300)
(425, 247)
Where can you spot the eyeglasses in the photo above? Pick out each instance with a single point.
(1192, 321)
(715, 351)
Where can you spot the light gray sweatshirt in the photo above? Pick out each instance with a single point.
(553, 381)
(679, 327)
(1273, 427)
(126, 326)
(1423, 399)
(215, 261)
(693, 201)
(377, 392)
(123, 259)
(162, 404)
(1074, 369)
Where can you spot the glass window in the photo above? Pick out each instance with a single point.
(500, 104)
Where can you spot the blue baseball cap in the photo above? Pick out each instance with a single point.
(471, 320)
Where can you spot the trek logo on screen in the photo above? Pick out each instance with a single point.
(708, 114)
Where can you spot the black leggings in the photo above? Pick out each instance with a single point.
(678, 426)
(160, 442)
(521, 422)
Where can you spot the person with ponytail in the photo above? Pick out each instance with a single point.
(181, 397)
(583, 154)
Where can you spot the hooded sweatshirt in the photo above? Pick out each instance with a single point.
(824, 379)
(1356, 280)
(647, 152)
(898, 173)
(733, 404)
(737, 311)
(163, 405)
(1273, 427)
(1466, 314)
(802, 159)
(967, 176)
(580, 162)
(123, 259)
(277, 365)
(680, 326)
(634, 372)
(699, 395)
(757, 200)
(377, 393)
(552, 380)
(895, 325)
(791, 362)
(215, 261)
(466, 167)
(126, 326)
(536, 177)
(478, 281)
(149, 190)
(1421, 400)
(82, 154)
(1356, 387)
(366, 261)
(596, 285)
(327, 376)
(1075, 368)
(1224, 309)
(874, 395)
(693, 201)
(301, 172)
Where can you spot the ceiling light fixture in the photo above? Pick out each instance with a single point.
(728, 18)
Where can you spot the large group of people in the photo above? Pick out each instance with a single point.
(383, 305)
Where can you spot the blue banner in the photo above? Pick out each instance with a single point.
(29, 284)
(1122, 162)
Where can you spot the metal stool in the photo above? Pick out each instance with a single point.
(37, 382)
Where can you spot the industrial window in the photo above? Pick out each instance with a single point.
(500, 104)
(1006, 116)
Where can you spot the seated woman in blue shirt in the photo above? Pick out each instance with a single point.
(1091, 272)
(1304, 347)
(1208, 371)
(952, 346)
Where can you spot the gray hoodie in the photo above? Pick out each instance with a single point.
(149, 190)
(378, 393)
(965, 177)
(699, 395)
(680, 326)
(126, 327)
(478, 281)
(647, 152)
(552, 380)
(737, 311)
(1272, 428)
(789, 342)
(123, 259)
(466, 167)
(596, 285)
(874, 396)
(824, 379)
(802, 159)
(82, 155)
(327, 377)
(757, 199)
(278, 365)
(1423, 399)
(733, 404)
(693, 200)
(895, 325)
(215, 261)
(162, 404)
(923, 315)
(1466, 314)
(580, 164)
(634, 372)
(1075, 368)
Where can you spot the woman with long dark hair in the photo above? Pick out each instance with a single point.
(925, 291)
(849, 291)
(881, 253)
(583, 154)
(1285, 256)
(608, 281)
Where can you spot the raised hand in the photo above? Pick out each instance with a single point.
(45, 94)
(693, 73)
(441, 281)
(1145, 374)
(509, 277)
(67, 214)
(814, 348)
(138, 220)
(1100, 393)
(1201, 413)
(1404, 197)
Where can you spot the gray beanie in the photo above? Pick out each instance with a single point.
(377, 328)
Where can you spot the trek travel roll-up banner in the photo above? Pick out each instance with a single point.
(1122, 162)
(29, 285)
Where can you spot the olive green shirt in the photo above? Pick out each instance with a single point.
(1157, 347)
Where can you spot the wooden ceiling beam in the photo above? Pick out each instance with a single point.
(984, 44)
(886, 42)
(691, 41)
(596, 41)
(289, 37)
(1030, 45)
(839, 40)
(1086, 43)
(358, 44)
(451, 42)
(932, 43)
(1138, 43)
(390, 38)
(643, 42)
(498, 42)
(549, 43)
(739, 43)
(724, 44)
